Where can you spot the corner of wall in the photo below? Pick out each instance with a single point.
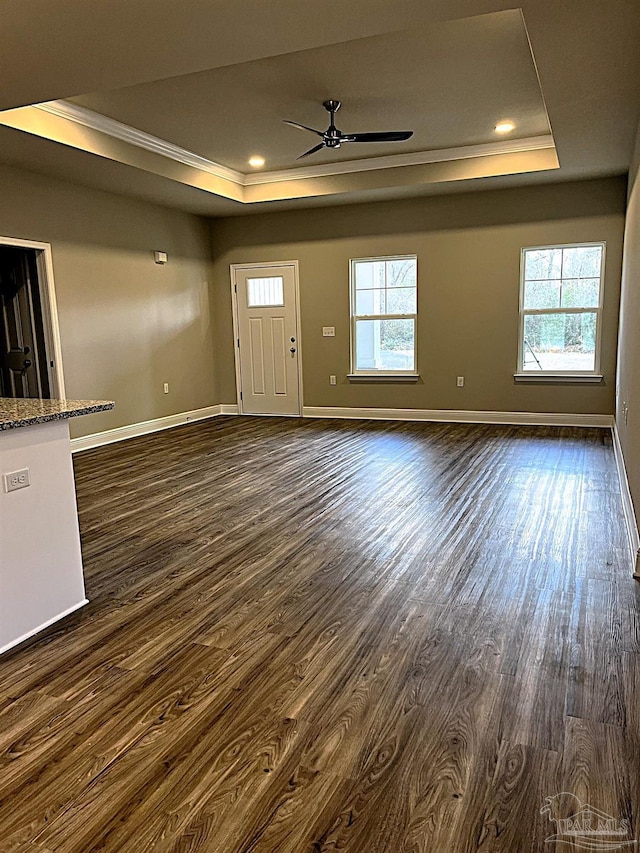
(628, 362)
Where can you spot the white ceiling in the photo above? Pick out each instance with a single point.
(217, 78)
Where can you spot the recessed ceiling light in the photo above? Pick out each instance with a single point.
(256, 162)
(505, 127)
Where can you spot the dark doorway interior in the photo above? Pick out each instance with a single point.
(23, 354)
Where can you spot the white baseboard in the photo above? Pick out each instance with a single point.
(44, 625)
(461, 416)
(98, 439)
(627, 502)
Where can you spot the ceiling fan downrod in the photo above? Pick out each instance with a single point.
(332, 135)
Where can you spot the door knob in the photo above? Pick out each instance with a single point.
(15, 360)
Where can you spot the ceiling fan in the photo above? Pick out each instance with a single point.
(333, 138)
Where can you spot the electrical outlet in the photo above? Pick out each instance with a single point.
(328, 331)
(165, 387)
(332, 380)
(460, 381)
(17, 480)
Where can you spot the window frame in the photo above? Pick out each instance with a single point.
(355, 317)
(525, 312)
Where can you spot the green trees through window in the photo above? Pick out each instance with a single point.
(383, 313)
(560, 299)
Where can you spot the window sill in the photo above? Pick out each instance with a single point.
(562, 378)
(383, 377)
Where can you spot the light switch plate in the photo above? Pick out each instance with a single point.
(328, 331)
(17, 480)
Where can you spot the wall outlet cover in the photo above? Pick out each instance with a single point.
(17, 480)
(328, 331)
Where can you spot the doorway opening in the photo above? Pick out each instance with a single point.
(30, 357)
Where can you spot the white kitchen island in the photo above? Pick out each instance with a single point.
(41, 577)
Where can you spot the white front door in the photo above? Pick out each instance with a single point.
(268, 343)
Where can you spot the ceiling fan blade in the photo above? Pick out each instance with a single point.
(311, 151)
(383, 136)
(302, 127)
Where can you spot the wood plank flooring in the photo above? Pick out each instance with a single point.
(315, 636)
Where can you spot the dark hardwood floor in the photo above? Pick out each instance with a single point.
(312, 636)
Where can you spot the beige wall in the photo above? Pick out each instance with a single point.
(629, 343)
(468, 249)
(127, 325)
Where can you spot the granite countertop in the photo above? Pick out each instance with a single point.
(16, 413)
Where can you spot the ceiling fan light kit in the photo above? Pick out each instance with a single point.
(334, 138)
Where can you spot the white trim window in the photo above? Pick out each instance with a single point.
(384, 309)
(561, 292)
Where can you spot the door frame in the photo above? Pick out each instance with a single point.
(234, 269)
(48, 302)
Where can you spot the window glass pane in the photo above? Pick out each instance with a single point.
(582, 262)
(370, 302)
(401, 300)
(263, 292)
(580, 293)
(542, 263)
(385, 344)
(369, 274)
(542, 294)
(402, 272)
(559, 342)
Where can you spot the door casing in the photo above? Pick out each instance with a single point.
(234, 268)
(44, 261)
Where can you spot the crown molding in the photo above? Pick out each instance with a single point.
(146, 141)
(126, 133)
(414, 158)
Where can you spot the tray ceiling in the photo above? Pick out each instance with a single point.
(193, 119)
